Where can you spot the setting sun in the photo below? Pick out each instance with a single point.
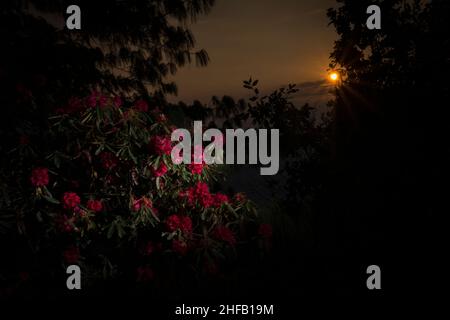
(334, 76)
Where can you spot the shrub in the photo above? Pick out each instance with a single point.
(103, 192)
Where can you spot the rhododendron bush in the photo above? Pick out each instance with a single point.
(103, 193)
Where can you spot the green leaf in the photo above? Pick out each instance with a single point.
(99, 149)
(132, 156)
(158, 183)
(157, 160)
(57, 160)
(111, 229)
(48, 196)
(230, 208)
(171, 235)
(120, 230)
(154, 215)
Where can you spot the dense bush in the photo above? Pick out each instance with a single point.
(103, 193)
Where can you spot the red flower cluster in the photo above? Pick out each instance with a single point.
(179, 247)
(160, 145)
(265, 230)
(94, 205)
(225, 234)
(219, 199)
(117, 101)
(175, 233)
(199, 193)
(138, 203)
(71, 200)
(141, 105)
(196, 168)
(39, 177)
(162, 170)
(71, 255)
(186, 224)
(108, 160)
(92, 100)
(96, 97)
(65, 224)
(175, 222)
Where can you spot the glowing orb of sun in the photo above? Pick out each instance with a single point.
(334, 76)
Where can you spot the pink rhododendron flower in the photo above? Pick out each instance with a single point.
(173, 222)
(117, 101)
(39, 177)
(102, 100)
(196, 168)
(108, 160)
(225, 234)
(186, 224)
(220, 198)
(161, 145)
(91, 100)
(198, 194)
(138, 203)
(162, 170)
(71, 200)
(94, 205)
(65, 224)
(141, 105)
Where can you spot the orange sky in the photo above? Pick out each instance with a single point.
(277, 42)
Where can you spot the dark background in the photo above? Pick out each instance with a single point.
(376, 182)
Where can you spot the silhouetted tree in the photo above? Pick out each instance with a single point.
(125, 47)
(390, 126)
(128, 48)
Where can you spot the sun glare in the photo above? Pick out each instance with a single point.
(334, 76)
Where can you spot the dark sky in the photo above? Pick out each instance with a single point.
(277, 42)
